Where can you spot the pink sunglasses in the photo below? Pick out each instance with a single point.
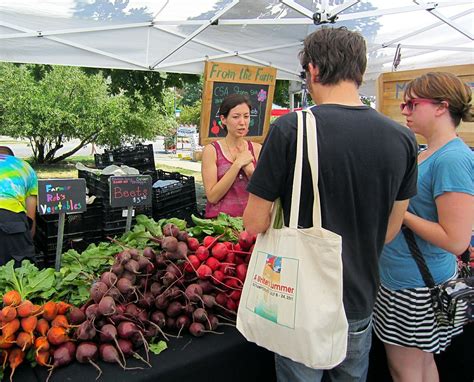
(410, 104)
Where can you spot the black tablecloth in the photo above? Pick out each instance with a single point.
(230, 358)
(227, 357)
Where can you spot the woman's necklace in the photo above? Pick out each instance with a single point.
(229, 150)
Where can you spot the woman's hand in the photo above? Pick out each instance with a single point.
(243, 158)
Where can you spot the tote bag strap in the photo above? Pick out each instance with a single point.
(312, 145)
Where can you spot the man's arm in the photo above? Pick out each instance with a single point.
(257, 214)
(31, 212)
(395, 219)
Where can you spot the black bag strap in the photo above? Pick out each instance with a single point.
(419, 259)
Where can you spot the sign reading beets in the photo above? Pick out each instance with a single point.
(130, 190)
(57, 196)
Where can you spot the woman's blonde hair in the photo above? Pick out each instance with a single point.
(443, 86)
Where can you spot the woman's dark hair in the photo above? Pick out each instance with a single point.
(231, 101)
(444, 86)
(340, 55)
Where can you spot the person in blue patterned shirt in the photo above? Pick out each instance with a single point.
(18, 194)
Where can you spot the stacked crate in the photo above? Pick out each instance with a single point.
(176, 200)
(139, 156)
(112, 220)
(80, 230)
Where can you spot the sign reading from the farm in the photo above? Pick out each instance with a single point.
(130, 190)
(61, 195)
(221, 80)
(391, 87)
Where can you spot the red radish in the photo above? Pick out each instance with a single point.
(235, 295)
(212, 263)
(204, 271)
(221, 299)
(208, 241)
(247, 259)
(220, 251)
(241, 271)
(193, 243)
(230, 258)
(231, 305)
(192, 264)
(202, 253)
(246, 240)
(218, 277)
(229, 245)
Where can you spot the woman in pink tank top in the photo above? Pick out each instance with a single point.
(228, 164)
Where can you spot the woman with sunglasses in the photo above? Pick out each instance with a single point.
(441, 217)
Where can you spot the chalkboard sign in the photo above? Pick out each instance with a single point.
(131, 190)
(223, 79)
(57, 196)
(258, 95)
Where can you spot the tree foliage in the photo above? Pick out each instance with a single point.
(67, 104)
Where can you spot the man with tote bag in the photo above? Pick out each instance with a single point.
(325, 259)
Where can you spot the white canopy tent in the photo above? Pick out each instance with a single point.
(180, 35)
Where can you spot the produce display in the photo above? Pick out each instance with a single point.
(125, 297)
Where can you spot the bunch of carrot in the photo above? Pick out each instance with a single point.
(30, 331)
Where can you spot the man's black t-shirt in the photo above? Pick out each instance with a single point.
(366, 162)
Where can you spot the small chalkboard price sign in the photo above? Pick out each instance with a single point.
(130, 191)
(61, 197)
(223, 79)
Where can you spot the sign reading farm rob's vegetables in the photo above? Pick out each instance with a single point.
(221, 80)
(128, 191)
(61, 196)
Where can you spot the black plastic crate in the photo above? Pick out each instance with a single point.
(138, 156)
(48, 224)
(186, 183)
(183, 212)
(47, 244)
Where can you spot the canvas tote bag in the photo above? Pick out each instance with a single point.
(291, 301)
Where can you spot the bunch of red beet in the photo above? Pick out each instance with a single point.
(183, 285)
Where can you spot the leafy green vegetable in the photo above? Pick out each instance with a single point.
(158, 347)
(27, 280)
(222, 224)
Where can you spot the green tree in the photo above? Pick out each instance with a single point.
(191, 115)
(66, 104)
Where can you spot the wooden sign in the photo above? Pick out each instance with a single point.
(222, 79)
(391, 86)
(130, 190)
(57, 196)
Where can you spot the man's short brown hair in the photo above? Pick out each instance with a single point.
(340, 55)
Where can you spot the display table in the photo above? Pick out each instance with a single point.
(227, 357)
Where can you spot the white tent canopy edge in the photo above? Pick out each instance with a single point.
(257, 32)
